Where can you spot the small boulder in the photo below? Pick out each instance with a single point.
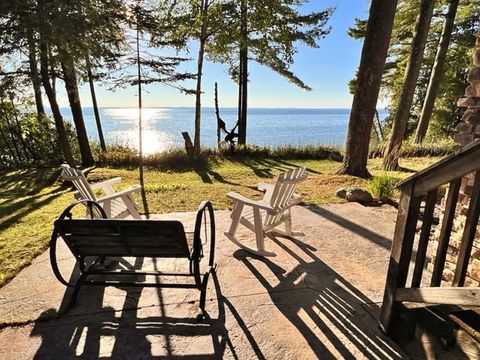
(353, 194)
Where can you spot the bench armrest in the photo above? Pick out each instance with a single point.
(133, 189)
(101, 184)
(236, 197)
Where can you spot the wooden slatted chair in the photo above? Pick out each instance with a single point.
(264, 216)
(116, 204)
(101, 238)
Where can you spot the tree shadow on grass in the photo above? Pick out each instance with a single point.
(27, 182)
(23, 208)
(325, 308)
(266, 168)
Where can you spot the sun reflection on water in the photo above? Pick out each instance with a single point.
(154, 141)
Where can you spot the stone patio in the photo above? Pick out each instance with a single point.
(318, 298)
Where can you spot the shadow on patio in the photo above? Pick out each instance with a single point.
(326, 309)
(133, 332)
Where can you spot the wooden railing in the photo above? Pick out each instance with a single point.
(423, 186)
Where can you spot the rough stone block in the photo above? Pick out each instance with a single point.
(475, 253)
(464, 127)
(476, 57)
(469, 282)
(471, 116)
(474, 269)
(474, 74)
(469, 102)
(448, 275)
(473, 89)
(463, 138)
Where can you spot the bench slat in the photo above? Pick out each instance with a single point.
(98, 237)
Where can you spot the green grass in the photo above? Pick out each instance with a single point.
(30, 200)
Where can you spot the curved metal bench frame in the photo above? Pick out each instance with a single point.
(194, 255)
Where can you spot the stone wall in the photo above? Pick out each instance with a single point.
(473, 271)
(467, 131)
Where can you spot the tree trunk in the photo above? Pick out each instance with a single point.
(57, 116)
(140, 124)
(95, 106)
(26, 147)
(422, 26)
(243, 83)
(198, 98)
(12, 135)
(217, 114)
(7, 144)
(76, 107)
(240, 94)
(437, 72)
(372, 64)
(34, 75)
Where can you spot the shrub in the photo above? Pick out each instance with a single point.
(177, 159)
(383, 187)
(440, 148)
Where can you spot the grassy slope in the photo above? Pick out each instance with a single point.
(31, 200)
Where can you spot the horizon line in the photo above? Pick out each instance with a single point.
(224, 107)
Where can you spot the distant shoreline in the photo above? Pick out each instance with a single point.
(211, 107)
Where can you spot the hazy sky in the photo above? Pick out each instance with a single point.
(326, 70)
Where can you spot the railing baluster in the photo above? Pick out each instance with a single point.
(401, 252)
(430, 201)
(445, 231)
(468, 233)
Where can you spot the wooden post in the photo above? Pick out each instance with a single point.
(401, 253)
(424, 237)
(468, 233)
(443, 240)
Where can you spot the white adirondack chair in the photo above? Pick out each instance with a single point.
(116, 204)
(264, 216)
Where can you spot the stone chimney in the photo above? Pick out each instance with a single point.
(468, 130)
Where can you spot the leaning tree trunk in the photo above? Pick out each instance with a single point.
(57, 116)
(243, 83)
(76, 107)
(372, 64)
(437, 72)
(95, 105)
(422, 26)
(34, 75)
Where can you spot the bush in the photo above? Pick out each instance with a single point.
(383, 187)
(440, 148)
(178, 159)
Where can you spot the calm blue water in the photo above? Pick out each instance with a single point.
(163, 126)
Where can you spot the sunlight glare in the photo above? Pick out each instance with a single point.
(154, 141)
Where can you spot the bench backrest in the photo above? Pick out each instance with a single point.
(107, 237)
(80, 182)
(281, 194)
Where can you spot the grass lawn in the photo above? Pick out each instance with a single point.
(30, 200)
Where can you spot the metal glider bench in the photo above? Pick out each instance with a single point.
(102, 237)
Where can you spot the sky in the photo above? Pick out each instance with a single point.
(327, 70)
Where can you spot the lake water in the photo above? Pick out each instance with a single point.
(163, 126)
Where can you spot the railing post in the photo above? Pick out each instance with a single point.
(401, 252)
(468, 233)
(445, 231)
(424, 237)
